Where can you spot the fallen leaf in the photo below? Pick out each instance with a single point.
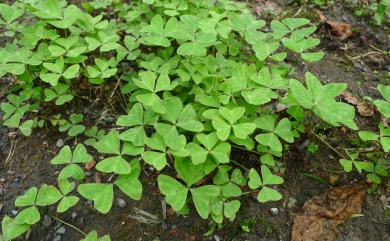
(363, 107)
(91, 164)
(98, 177)
(321, 214)
(338, 31)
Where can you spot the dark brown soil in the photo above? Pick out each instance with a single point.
(28, 164)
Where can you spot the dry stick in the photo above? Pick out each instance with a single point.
(328, 145)
(68, 224)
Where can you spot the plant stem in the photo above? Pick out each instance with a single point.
(239, 164)
(249, 192)
(328, 145)
(244, 149)
(68, 224)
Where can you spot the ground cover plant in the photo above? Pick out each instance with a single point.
(197, 80)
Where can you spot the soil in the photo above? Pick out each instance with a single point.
(24, 162)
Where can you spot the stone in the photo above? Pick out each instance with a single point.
(60, 143)
(57, 238)
(121, 203)
(47, 221)
(274, 211)
(61, 230)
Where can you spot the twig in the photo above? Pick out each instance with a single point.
(367, 54)
(11, 152)
(68, 224)
(328, 145)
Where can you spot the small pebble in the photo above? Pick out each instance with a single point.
(88, 174)
(164, 226)
(216, 238)
(47, 221)
(74, 215)
(60, 143)
(14, 212)
(57, 238)
(109, 119)
(274, 211)
(61, 230)
(89, 202)
(121, 203)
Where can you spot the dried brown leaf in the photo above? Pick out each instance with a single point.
(363, 107)
(321, 214)
(98, 177)
(91, 164)
(336, 30)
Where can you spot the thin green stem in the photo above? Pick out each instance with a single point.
(239, 164)
(68, 224)
(328, 145)
(244, 149)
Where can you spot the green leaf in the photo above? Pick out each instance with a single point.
(231, 208)
(48, 195)
(129, 183)
(29, 216)
(242, 130)
(303, 96)
(268, 194)
(268, 177)
(264, 50)
(27, 199)
(66, 203)
(197, 153)
(312, 57)
(115, 164)
(230, 190)
(254, 179)
(72, 170)
(101, 194)
(175, 192)
(283, 129)
(133, 118)
(346, 164)
(293, 23)
(189, 172)
(238, 178)
(80, 154)
(374, 178)
(368, 136)
(203, 197)
(170, 135)
(270, 140)
(109, 144)
(222, 128)
(26, 127)
(11, 229)
(157, 159)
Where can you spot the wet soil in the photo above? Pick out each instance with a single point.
(24, 162)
